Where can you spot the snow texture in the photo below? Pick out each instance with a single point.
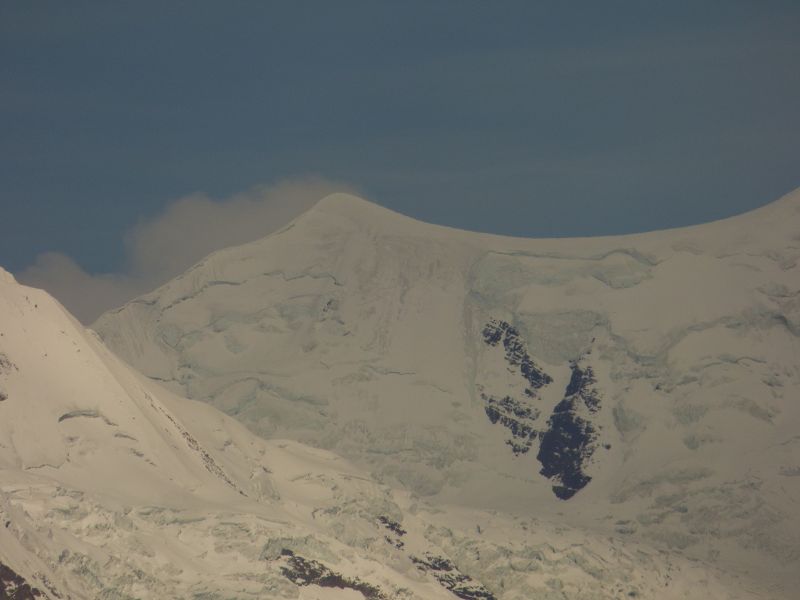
(112, 487)
(648, 392)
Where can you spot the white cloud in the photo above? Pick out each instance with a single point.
(160, 248)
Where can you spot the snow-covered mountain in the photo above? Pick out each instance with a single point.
(645, 386)
(111, 487)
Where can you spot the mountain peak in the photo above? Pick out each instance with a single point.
(341, 201)
(359, 210)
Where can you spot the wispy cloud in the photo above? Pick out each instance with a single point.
(159, 248)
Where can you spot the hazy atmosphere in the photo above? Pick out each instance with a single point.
(138, 138)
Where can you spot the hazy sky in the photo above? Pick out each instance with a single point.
(526, 118)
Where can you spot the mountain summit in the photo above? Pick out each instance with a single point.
(641, 385)
(354, 207)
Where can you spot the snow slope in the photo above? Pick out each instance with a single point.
(641, 386)
(112, 487)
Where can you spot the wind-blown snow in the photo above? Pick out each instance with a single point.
(362, 331)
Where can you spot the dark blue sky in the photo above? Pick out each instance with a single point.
(524, 118)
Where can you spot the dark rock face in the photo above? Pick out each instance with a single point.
(394, 528)
(14, 587)
(516, 415)
(582, 385)
(302, 571)
(6, 366)
(446, 573)
(571, 439)
(516, 353)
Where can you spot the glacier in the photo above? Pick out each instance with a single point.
(640, 388)
(113, 487)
